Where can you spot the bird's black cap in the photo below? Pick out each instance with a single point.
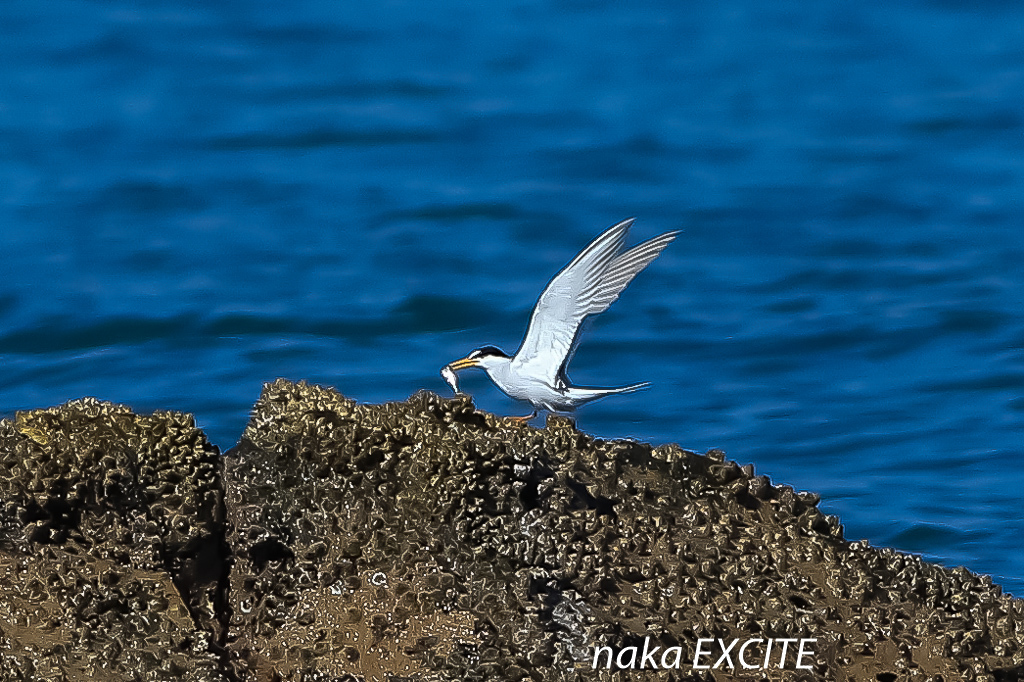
(488, 350)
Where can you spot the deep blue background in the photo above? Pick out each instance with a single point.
(198, 198)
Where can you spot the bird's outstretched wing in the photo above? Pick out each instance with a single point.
(586, 286)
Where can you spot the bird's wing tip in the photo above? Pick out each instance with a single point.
(628, 223)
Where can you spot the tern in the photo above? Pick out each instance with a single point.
(536, 374)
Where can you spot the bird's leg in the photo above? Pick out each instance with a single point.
(521, 421)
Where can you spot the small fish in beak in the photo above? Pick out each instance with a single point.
(449, 376)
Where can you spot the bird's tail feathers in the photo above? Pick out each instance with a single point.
(585, 395)
(632, 388)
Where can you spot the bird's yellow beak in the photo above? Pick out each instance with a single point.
(464, 363)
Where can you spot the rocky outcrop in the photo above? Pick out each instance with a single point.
(426, 540)
(112, 562)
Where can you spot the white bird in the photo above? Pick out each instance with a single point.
(586, 286)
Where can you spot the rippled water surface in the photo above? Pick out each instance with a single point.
(196, 199)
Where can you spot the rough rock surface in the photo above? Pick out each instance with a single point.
(111, 546)
(426, 540)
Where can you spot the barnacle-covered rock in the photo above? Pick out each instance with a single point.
(427, 540)
(111, 546)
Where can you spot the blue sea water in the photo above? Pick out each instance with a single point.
(196, 198)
